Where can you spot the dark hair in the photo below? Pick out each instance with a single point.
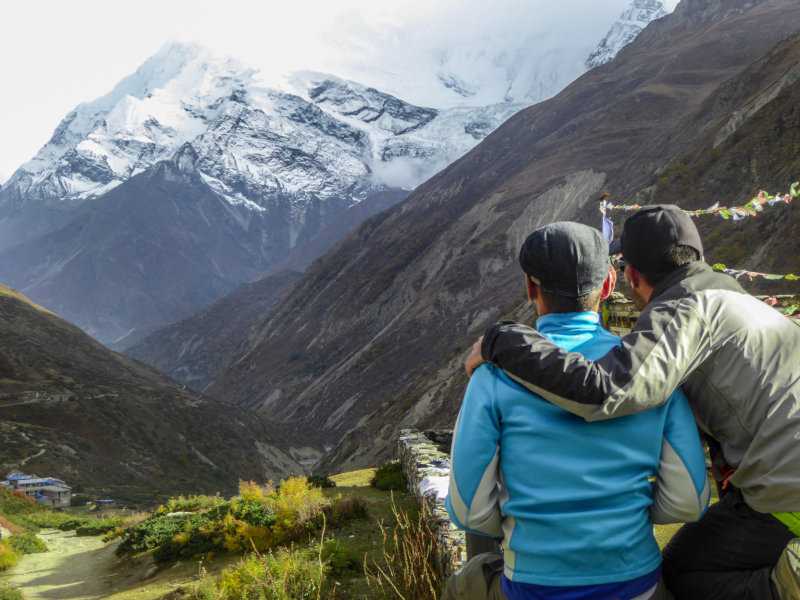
(676, 257)
(562, 304)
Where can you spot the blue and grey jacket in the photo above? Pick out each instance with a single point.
(574, 502)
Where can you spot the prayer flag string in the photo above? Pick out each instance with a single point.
(734, 213)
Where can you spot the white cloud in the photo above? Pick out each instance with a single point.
(55, 55)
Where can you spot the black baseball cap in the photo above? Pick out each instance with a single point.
(652, 232)
(566, 259)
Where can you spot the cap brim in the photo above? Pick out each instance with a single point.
(615, 248)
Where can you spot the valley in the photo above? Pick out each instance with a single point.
(225, 294)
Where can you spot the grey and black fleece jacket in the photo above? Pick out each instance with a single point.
(737, 359)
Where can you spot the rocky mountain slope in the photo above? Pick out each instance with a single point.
(197, 350)
(371, 339)
(752, 120)
(109, 425)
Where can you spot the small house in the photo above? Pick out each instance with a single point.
(45, 490)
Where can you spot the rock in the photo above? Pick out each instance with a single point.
(426, 468)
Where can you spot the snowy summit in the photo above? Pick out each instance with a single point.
(313, 134)
(630, 24)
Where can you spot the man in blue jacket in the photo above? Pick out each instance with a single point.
(573, 502)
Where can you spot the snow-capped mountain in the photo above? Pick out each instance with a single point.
(215, 177)
(629, 25)
(314, 135)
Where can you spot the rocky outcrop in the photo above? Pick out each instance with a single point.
(425, 459)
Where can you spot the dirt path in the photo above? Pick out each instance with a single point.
(75, 568)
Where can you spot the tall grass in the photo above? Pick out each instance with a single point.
(8, 556)
(408, 568)
(27, 543)
(9, 593)
(283, 574)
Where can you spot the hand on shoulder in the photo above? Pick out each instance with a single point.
(474, 360)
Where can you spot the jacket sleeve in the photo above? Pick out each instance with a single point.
(670, 340)
(473, 500)
(682, 489)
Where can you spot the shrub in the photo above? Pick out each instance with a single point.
(190, 504)
(296, 502)
(338, 557)
(390, 477)
(321, 481)
(344, 509)
(261, 518)
(98, 526)
(8, 557)
(12, 503)
(52, 520)
(250, 490)
(150, 534)
(283, 575)
(9, 593)
(409, 567)
(27, 543)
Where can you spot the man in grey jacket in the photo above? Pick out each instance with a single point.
(738, 361)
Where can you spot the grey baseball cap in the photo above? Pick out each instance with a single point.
(650, 233)
(566, 259)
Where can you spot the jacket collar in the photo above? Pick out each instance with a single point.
(573, 323)
(694, 277)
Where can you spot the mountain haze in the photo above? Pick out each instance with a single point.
(197, 350)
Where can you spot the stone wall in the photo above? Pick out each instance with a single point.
(426, 463)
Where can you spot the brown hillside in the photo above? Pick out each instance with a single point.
(71, 408)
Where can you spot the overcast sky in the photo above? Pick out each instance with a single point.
(56, 54)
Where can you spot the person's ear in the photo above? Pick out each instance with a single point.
(530, 287)
(609, 285)
(633, 276)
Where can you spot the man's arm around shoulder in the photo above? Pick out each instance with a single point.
(669, 341)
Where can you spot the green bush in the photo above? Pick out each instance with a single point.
(151, 534)
(321, 481)
(190, 504)
(15, 504)
(8, 557)
(50, 520)
(252, 512)
(283, 575)
(83, 525)
(339, 558)
(98, 526)
(344, 509)
(390, 477)
(9, 593)
(261, 518)
(27, 543)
